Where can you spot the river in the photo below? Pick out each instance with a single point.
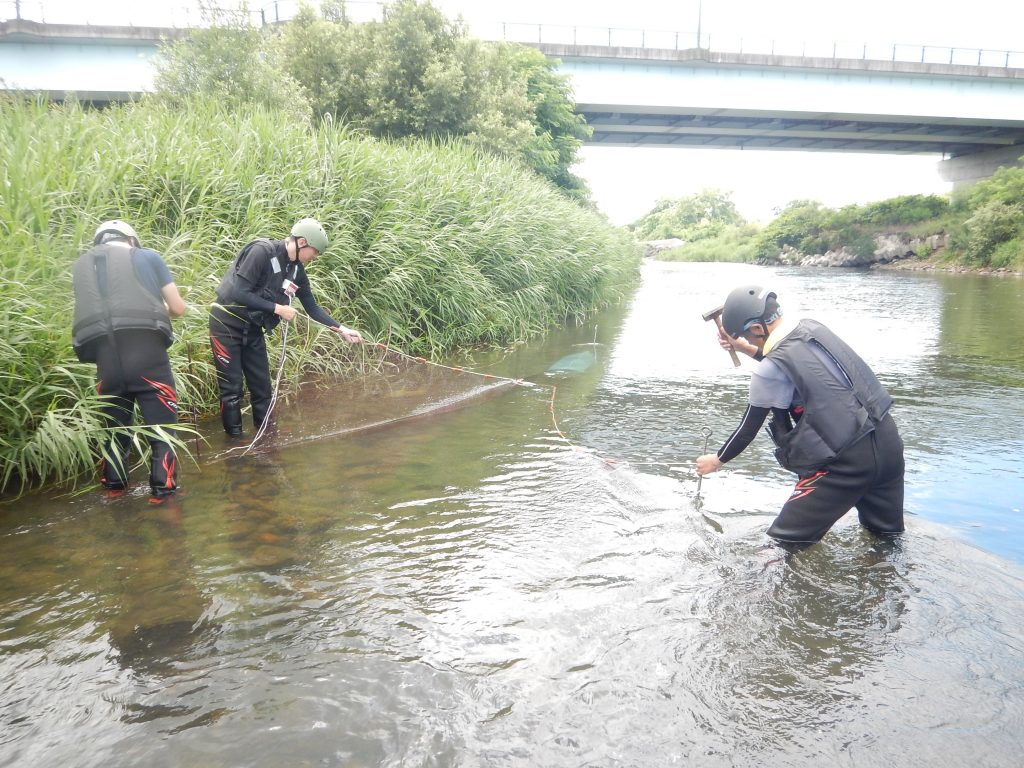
(423, 568)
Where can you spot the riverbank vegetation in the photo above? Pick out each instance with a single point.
(414, 73)
(435, 245)
(981, 227)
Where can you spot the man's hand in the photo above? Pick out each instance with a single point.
(708, 463)
(348, 334)
(285, 312)
(740, 345)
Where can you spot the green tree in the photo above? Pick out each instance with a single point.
(798, 221)
(418, 74)
(408, 75)
(698, 217)
(413, 74)
(228, 63)
(559, 131)
(309, 50)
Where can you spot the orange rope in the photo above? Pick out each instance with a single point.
(517, 382)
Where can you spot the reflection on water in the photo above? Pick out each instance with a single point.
(464, 587)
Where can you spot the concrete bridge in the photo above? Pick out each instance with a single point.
(665, 92)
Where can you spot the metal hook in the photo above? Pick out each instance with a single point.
(707, 436)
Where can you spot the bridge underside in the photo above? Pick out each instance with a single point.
(616, 126)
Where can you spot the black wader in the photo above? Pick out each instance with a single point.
(137, 371)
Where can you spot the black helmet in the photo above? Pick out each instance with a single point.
(746, 304)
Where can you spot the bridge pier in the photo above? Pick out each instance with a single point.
(965, 170)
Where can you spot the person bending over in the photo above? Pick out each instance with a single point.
(124, 300)
(827, 414)
(252, 298)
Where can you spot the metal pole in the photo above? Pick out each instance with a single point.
(700, 13)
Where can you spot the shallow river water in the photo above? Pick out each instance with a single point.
(424, 568)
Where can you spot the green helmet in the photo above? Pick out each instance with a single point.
(312, 231)
(115, 229)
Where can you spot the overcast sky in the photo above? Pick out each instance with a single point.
(626, 182)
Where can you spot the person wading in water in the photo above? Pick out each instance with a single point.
(829, 419)
(252, 298)
(124, 300)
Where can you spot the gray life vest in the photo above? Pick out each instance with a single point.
(273, 291)
(836, 413)
(117, 303)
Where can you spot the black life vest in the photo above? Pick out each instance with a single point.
(836, 413)
(272, 290)
(120, 301)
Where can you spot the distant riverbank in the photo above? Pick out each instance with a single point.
(937, 265)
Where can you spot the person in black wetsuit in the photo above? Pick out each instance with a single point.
(252, 298)
(124, 300)
(829, 419)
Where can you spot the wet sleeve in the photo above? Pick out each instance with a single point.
(744, 433)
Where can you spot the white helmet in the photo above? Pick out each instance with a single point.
(114, 229)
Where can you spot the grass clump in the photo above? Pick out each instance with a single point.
(733, 244)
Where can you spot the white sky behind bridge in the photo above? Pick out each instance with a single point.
(626, 182)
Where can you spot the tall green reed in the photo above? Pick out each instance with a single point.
(434, 247)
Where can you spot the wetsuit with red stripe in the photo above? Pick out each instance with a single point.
(866, 474)
(133, 369)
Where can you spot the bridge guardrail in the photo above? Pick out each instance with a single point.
(613, 37)
(358, 11)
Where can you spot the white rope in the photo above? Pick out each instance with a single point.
(273, 398)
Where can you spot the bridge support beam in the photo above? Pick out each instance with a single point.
(965, 170)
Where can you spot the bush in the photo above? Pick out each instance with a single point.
(703, 216)
(795, 224)
(732, 244)
(994, 223)
(1008, 255)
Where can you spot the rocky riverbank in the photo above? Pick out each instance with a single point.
(898, 251)
(889, 249)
